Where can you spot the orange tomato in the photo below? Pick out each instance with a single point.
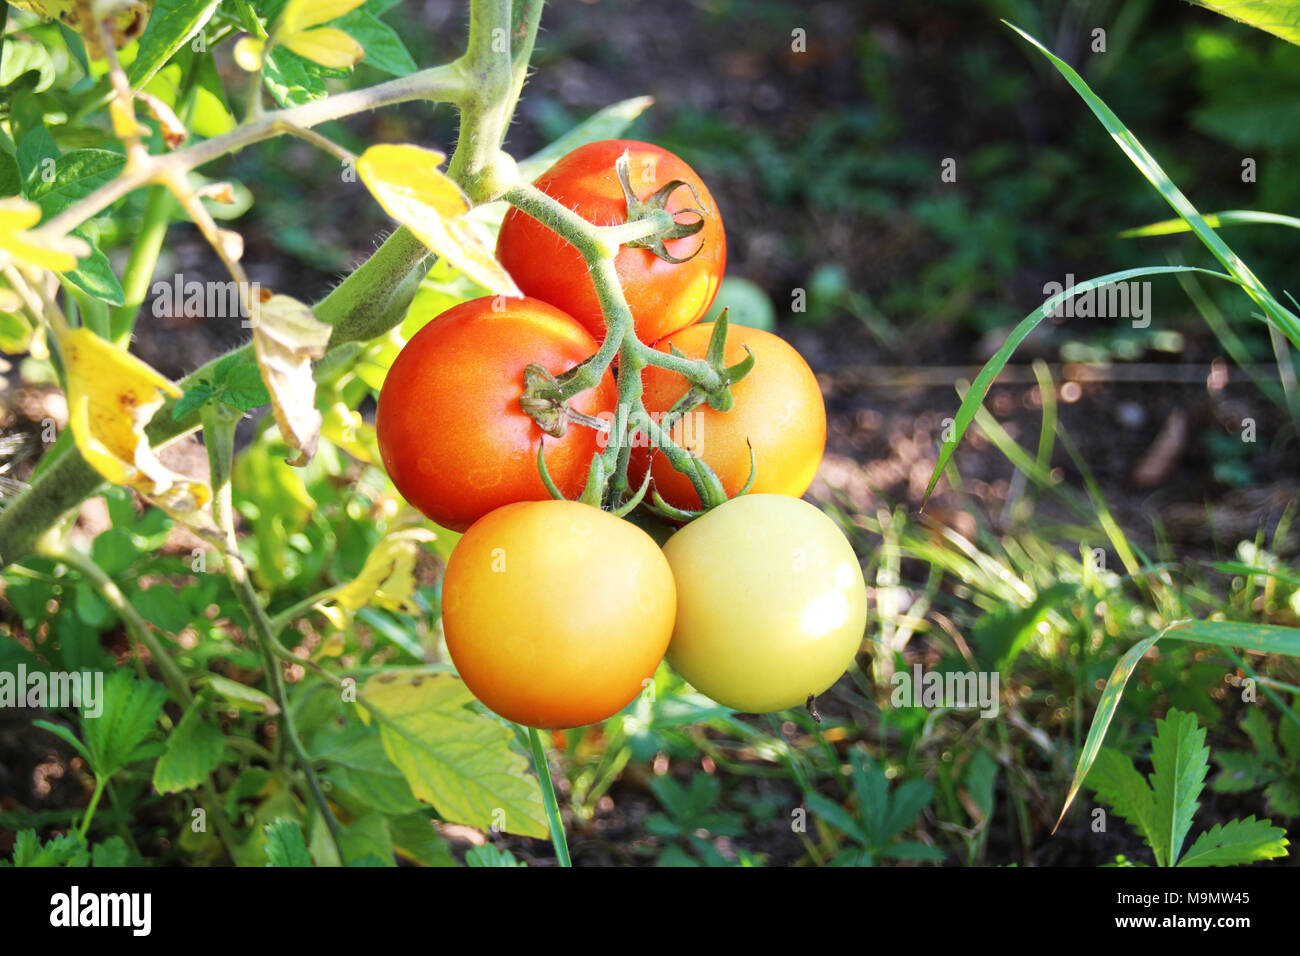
(451, 432)
(557, 613)
(778, 408)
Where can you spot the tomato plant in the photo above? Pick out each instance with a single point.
(663, 294)
(771, 604)
(556, 612)
(452, 434)
(778, 413)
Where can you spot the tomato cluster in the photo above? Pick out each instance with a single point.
(557, 613)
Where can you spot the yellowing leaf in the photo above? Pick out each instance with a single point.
(125, 125)
(387, 579)
(326, 46)
(349, 431)
(56, 253)
(406, 181)
(300, 15)
(451, 756)
(286, 337)
(112, 395)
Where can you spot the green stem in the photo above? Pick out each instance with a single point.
(140, 266)
(553, 820)
(219, 435)
(92, 806)
(290, 614)
(441, 83)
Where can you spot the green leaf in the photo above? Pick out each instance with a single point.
(22, 58)
(834, 814)
(872, 789)
(913, 850)
(1283, 797)
(1237, 842)
(172, 24)
(66, 850)
(130, 712)
(1288, 731)
(33, 149)
(367, 842)
(1118, 785)
(1238, 772)
(193, 751)
(362, 768)
(384, 48)
(488, 855)
(110, 852)
(114, 550)
(415, 838)
(94, 274)
(64, 734)
(240, 695)
(11, 182)
(159, 606)
(1279, 17)
(1260, 732)
(195, 397)
(76, 47)
(1180, 760)
(293, 80)
(908, 800)
(243, 388)
(76, 175)
(984, 380)
(981, 780)
(454, 758)
(285, 845)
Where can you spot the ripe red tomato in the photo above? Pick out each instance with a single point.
(662, 295)
(778, 408)
(451, 432)
(557, 613)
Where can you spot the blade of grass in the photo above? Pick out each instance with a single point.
(1147, 165)
(975, 397)
(1229, 217)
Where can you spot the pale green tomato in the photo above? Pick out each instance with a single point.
(771, 605)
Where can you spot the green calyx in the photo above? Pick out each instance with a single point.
(652, 206)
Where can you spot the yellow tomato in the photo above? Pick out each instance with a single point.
(771, 604)
(556, 612)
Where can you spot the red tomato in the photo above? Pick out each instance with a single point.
(662, 295)
(778, 408)
(451, 432)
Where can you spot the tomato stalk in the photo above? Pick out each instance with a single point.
(546, 396)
